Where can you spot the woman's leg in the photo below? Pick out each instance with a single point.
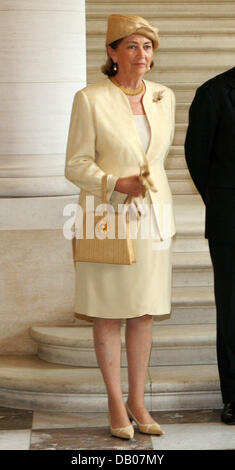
(107, 343)
(138, 348)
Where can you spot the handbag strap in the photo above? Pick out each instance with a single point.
(104, 188)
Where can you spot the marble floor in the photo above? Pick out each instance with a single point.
(184, 430)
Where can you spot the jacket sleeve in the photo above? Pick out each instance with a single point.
(80, 167)
(203, 117)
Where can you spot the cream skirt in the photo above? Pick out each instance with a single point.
(117, 291)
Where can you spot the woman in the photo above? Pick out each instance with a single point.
(116, 125)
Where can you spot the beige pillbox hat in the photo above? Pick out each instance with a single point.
(120, 26)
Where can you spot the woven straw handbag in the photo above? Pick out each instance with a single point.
(113, 250)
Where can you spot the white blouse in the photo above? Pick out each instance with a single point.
(143, 129)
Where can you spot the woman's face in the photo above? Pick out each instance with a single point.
(133, 55)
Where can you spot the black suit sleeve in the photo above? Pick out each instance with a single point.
(203, 117)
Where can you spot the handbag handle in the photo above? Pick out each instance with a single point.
(104, 188)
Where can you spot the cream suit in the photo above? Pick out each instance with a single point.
(103, 138)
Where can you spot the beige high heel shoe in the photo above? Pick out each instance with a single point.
(153, 428)
(126, 433)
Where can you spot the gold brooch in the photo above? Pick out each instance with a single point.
(157, 96)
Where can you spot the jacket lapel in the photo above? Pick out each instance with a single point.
(154, 110)
(154, 104)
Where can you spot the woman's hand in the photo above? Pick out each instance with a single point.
(130, 185)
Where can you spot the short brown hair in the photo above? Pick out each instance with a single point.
(108, 67)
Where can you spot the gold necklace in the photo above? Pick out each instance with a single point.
(127, 91)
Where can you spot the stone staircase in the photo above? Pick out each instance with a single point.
(182, 372)
(197, 42)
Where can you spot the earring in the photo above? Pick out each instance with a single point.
(115, 67)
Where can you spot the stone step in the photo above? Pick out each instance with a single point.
(190, 261)
(183, 187)
(175, 163)
(172, 345)
(193, 73)
(198, 9)
(191, 305)
(184, 91)
(176, 158)
(189, 211)
(172, 9)
(194, 315)
(189, 26)
(190, 242)
(193, 296)
(27, 382)
(178, 174)
(182, 113)
(180, 181)
(192, 269)
(180, 133)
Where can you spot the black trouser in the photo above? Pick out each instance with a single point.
(223, 260)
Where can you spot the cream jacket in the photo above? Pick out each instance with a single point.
(103, 139)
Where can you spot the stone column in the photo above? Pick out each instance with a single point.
(43, 64)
